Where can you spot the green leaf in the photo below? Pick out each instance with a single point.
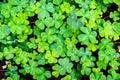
(11, 71)
(47, 74)
(57, 2)
(86, 59)
(55, 73)
(116, 27)
(40, 24)
(58, 21)
(41, 59)
(63, 67)
(42, 46)
(20, 56)
(74, 54)
(65, 7)
(50, 57)
(5, 13)
(4, 31)
(8, 52)
(107, 30)
(16, 77)
(102, 64)
(44, 36)
(92, 47)
(66, 31)
(50, 7)
(105, 56)
(107, 1)
(85, 70)
(114, 64)
(105, 43)
(88, 36)
(97, 74)
(51, 38)
(43, 14)
(49, 22)
(32, 43)
(68, 77)
(114, 15)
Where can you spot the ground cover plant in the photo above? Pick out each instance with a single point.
(60, 40)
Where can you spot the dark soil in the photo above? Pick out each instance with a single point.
(106, 15)
(2, 71)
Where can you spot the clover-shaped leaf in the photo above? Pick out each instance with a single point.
(74, 54)
(44, 36)
(87, 60)
(105, 56)
(58, 20)
(33, 55)
(50, 31)
(51, 38)
(8, 52)
(84, 53)
(41, 74)
(68, 77)
(92, 47)
(116, 27)
(114, 64)
(49, 22)
(50, 7)
(69, 44)
(14, 77)
(107, 30)
(57, 52)
(40, 24)
(114, 15)
(73, 21)
(57, 2)
(66, 31)
(85, 70)
(48, 35)
(41, 59)
(107, 1)
(83, 3)
(12, 71)
(113, 75)
(44, 76)
(50, 57)
(42, 15)
(58, 49)
(42, 46)
(88, 36)
(30, 68)
(32, 44)
(34, 7)
(102, 65)
(64, 66)
(20, 56)
(4, 31)
(19, 26)
(75, 74)
(105, 43)
(97, 74)
(65, 7)
(37, 73)
(6, 10)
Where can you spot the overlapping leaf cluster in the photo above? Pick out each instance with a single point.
(62, 39)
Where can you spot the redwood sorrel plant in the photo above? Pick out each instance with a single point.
(60, 40)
